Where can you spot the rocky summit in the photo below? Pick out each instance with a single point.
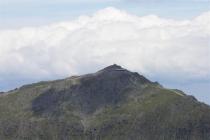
(110, 104)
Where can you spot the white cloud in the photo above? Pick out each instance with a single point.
(149, 44)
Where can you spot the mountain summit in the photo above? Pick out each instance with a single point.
(110, 104)
(113, 67)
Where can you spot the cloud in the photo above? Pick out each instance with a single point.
(149, 44)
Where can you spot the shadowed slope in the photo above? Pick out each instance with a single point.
(90, 92)
(112, 103)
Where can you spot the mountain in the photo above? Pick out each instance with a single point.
(111, 104)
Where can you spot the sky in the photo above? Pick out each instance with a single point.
(166, 41)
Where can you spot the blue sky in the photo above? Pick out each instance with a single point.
(18, 13)
(167, 41)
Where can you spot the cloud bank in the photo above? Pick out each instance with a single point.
(150, 45)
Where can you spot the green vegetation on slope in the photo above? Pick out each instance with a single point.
(111, 104)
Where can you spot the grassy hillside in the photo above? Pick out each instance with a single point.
(111, 104)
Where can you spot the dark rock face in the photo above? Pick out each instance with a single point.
(108, 86)
(110, 104)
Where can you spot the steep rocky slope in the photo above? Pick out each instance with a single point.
(110, 104)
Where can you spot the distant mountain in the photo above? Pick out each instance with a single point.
(111, 104)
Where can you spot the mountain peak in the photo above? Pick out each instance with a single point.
(102, 105)
(120, 72)
(114, 67)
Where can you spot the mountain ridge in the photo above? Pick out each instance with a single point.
(112, 103)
